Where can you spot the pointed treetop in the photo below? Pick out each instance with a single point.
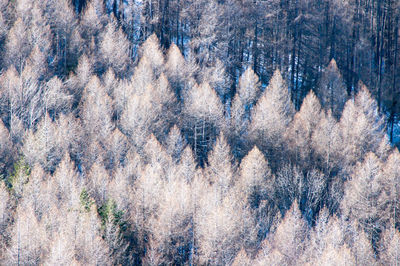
(175, 60)
(204, 103)
(151, 49)
(254, 171)
(332, 65)
(249, 86)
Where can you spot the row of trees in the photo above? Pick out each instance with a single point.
(113, 154)
(298, 37)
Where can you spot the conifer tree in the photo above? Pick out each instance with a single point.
(203, 117)
(93, 19)
(175, 144)
(219, 170)
(332, 90)
(271, 116)
(361, 128)
(291, 235)
(300, 130)
(29, 239)
(256, 181)
(389, 252)
(114, 49)
(366, 199)
(244, 99)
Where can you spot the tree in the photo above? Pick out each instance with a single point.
(366, 200)
(175, 144)
(219, 170)
(299, 133)
(63, 21)
(255, 184)
(389, 252)
(221, 226)
(43, 146)
(271, 117)
(332, 90)
(95, 114)
(325, 237)
(291, 235)
(29, 239)
(78, 80)
(93, 19)
(391, 181)
(7, 151)
(5, 205)
(17, 45)
(244, 99)
(242, 103)
(118, 58)
(361, 128)
(203, 118)
(176, 69)
(325, 142)
(256, 181)
(150, 49)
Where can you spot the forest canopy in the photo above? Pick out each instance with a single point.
(199, 132)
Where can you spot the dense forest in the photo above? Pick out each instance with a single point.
(199, 132)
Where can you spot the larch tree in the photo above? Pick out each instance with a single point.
(175, 143)
(146, 199)
(335, 256)
(116, 148)
(78, 80)
(246, 95)
(151, 50)
(256, 181)
(271, 117)
(114, 49)
(220, 227)
(97, 183)
(65, 181)
(5, 211)
(332, 90)
(90, 248)
(299, 133)
(326, 235)
(42, 146)
(61, 251)
(7, 151)
(289, 185)
(18, 46)
(203, 118)
(36, 193)
(391, 172)
(176, 69)
(110, 82)
(29, 239)
(93, 19)
(219, 171)
(170, 228)
(186, 167)
(255, 184)
(390, 247)
(63, 21)
(96, 111)
(325, 142)
(217, 76)
(56, 98)
(290, 238)
(362, 249)
(366, 197)
(361, 128)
